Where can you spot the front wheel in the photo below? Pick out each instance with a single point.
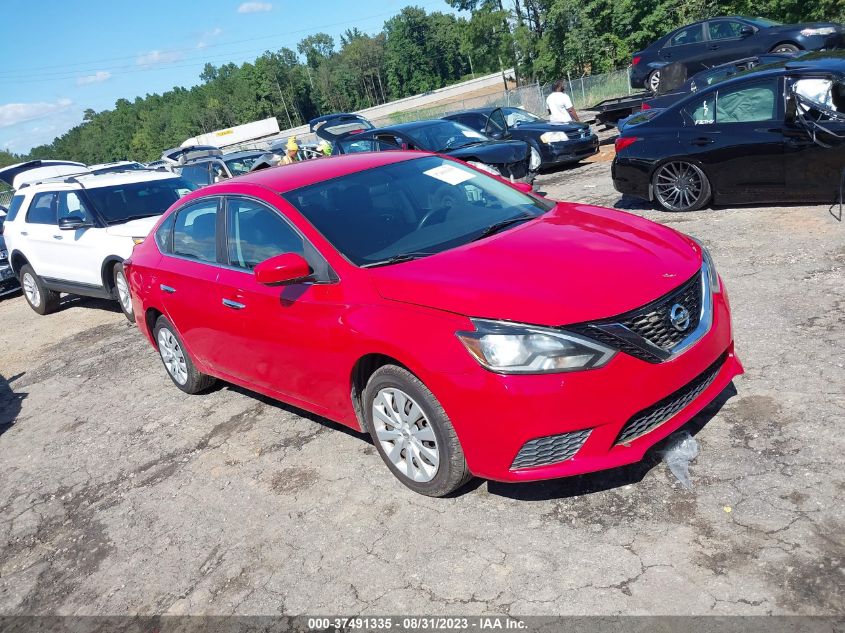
(413, 434)
(681, 186)
(121, 289)
(785, 48)
(653, 81)
(38, 296)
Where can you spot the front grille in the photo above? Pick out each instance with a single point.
(650, 322)
(649, 419)
(552, 449)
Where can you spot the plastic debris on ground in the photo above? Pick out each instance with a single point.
(679, 452)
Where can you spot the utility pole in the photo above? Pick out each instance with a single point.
(284, 103)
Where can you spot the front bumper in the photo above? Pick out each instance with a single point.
(568, 151)
(496, 415)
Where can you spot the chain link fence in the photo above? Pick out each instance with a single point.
(584, 91)
(6, 198)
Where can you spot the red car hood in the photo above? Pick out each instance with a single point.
(575, 263)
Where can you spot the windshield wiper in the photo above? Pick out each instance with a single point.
(498, 226)
(397, 259)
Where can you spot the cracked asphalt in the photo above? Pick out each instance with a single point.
(122, 495)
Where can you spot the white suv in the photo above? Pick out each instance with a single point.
(71, 233)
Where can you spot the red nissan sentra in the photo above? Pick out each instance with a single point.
(470, 327)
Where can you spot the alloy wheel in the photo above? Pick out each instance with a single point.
(679, 186)
(123, 292)
(654, 81)
(405, 435)
(173, 356)
(30, 289)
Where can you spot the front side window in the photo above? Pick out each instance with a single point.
(689, 35)
(71, 204)
(256, 233)
(42, 209)
(130, 201)
(414, 208)
(195, 231)
(738, 104)
(724, 29)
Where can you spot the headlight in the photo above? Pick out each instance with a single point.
(536, 160)
(485, 167)
(554, 137)
(825, 30)
(524, 349)
(711, 267)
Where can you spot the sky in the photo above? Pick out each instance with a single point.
(61, 57)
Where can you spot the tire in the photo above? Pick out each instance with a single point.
(38, 296)
(785, 48)
(652, 82)
(423, 428)
(176, 360)
(680, 186)
(121, 292)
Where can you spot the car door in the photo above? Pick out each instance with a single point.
(40, 233)
(688, 46)
(726, 42)
(736, 133)
(286, 341)
(80, 250)
(187, 278)
(814, 151)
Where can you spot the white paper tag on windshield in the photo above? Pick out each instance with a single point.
(449, 174)
(472, 134)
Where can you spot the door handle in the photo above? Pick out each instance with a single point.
(167, 289)
(24, 232)
(57, 237)
(701, 141)
(233, 304)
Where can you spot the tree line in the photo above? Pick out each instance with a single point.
(414, 52)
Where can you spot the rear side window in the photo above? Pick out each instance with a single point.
(14, 207)
(195, 231)
(257, 233)
(42, 209)
(689, 35)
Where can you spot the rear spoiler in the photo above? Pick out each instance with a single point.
(11, 174)
(181, 155)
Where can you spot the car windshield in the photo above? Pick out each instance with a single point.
(411, 209)
(439, 136)
(515, 116)
(764, 22)
(130, 201)
(242, 164)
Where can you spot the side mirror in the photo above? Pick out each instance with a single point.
(746, 30)
(73, 222)
(282, 269)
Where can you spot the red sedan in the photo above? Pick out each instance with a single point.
(470, 327)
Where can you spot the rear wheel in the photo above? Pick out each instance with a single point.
(681, 186)
(653, 81)
(178, 364)
(38, 296)
(121, 289)
(785, 48)
(413, 434)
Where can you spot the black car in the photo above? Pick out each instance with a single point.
(719, 40)
(8, 280)
(555, 143)
(350, 133)
(767, 135)
(713, 76)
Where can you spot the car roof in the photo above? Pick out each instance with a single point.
(109, 179)
(308, 172)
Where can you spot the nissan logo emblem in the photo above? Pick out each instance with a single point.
(679, 317)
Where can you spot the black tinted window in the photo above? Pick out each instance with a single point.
(14, 207)
(71, 204)
(195, 231)
(689, 35)
(42, 209)
(257, 233)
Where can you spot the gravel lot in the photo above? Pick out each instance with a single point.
(120, 494)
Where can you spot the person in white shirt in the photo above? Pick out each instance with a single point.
(560, 105)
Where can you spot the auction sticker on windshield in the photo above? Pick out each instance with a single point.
(449, 174)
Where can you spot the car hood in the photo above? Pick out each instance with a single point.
(134, 228)
(575, 263)
(571, 127)
(493, 152)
